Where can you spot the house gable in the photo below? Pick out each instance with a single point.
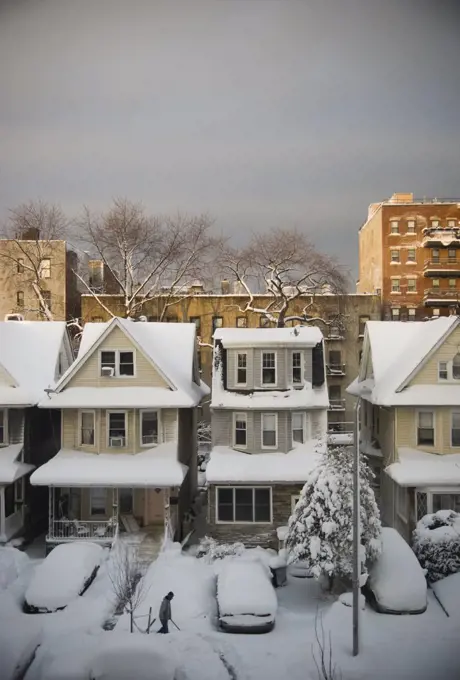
(427, 372)
(87, 374)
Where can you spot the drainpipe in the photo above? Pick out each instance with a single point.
(356, 532)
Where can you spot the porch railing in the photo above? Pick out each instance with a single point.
(74, 530)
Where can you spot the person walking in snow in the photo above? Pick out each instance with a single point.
(165, 612)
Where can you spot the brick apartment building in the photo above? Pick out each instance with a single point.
(409, 254)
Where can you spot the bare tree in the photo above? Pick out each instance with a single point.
(284, 265)
(322, 656)
(31, 245)
(148, 257)
(127, 582)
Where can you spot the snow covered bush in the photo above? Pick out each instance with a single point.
(436, 543)
(320, 531)
(213, 550)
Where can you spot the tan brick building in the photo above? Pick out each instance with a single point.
(23, 263)
(409, 254)
(223, 310)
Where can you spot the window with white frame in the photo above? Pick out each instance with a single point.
(268, 368)
(3, 413)
(241, 368)
(149, 428)
(241, 430)
(435, 223)
(244, 504)
(451, 254)
(116, 428)
(451, 223)
(394, 255)
(435, 254)
(98, 500)
(395, 285)
(294, 500)
(411, 313)
(411, 255)
(452, 283)
(436, 312)
(269, 430)
(455, 428)
(425, 428)
(395, 313)
(411, 285)
(45, 268)
(435, 283)
(456, 367)
(298, 427)
(445, 501)
(411, 226)
(120, 361)
(296, 368)
(442, 370)
(401, 501)
(394, 227)
(87, 427)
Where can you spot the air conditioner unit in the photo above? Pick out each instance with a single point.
(117, 441)
(14, 317)
(107, 371)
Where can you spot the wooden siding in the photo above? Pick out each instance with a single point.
(222, 430)
(406, 431)
(88, 374)
(428, 374)
(254, 367)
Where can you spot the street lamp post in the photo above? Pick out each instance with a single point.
(356, 533)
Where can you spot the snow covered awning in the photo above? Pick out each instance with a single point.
(416, 468)
(306, 336)
(227, 466)
(307, 397)
(16, 396)
(10, 468)
(121, 397)
(157, 467)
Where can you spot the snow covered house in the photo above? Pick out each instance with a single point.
(33, 355)
(269, 420)
(409, 384)
(128, 443)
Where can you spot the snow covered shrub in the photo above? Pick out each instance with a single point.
(320, 531)
(436, 543)
(213, 550)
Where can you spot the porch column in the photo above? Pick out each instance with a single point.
(169, 533)
(51, 495)
(2, 511)
(115, 502)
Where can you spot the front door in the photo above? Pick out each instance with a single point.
(125, 500)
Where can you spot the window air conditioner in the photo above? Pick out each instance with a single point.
(107, 371)
(117, 441)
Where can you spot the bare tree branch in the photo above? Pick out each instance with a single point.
(127, 582)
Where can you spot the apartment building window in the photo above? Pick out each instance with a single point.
(435, 283)
(296, 368)
(241, 322)
(197, 321)
(20, 265)
(435, 254)
(98, 500)
(452, 283)
(87, 428)
(411, 313)
(411, 255)
(451, 223)
(243, 504)
(425, 428)
(264, 322)
(411, 285)
(394, 255)
(298, 427)
(269, 430)
(96, 319)
(411, 226)
(455, 430)
(116, 428)
(268, 368)
(394, 227)
(395, 313)
(45, 268)
(149, 427)
(20, 298)
(46, 294)
(452, 255)
(241, 430)
(122, 362)
(217, 322)
(335, 396)
(241, 368)
(395, 285)
(442, 370)
(435, 223)
(362, 324)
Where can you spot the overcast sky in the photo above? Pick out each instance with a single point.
(259, 112)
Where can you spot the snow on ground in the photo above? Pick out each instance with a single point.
(12, 563)
(448, 592)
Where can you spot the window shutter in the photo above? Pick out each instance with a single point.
(318, 365)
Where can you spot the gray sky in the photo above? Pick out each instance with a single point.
(259, 112)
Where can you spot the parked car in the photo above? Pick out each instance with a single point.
(397, 583)
(66, 573)
(246, 599)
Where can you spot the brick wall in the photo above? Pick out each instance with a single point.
(257, 534)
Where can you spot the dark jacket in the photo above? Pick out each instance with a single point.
(165, 610)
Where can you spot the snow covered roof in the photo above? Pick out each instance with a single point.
(305, 398)
(156, 467)
(171, 349)
(122, 397)
(417, 468)
(10, 468)
(29, 352)
(229, 466)
(398, 350)
(306, 336)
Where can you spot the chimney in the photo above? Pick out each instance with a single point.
(14, 317)
(96, 275)
(402, 198)
(225, 287)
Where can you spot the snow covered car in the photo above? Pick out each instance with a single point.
(246, 599)
(397, 583)
(66, 573)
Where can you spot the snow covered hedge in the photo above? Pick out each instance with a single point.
(213, 550)
(436, 543)
(320, 531)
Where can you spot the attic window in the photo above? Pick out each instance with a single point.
(456, 367)
(120, 361)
